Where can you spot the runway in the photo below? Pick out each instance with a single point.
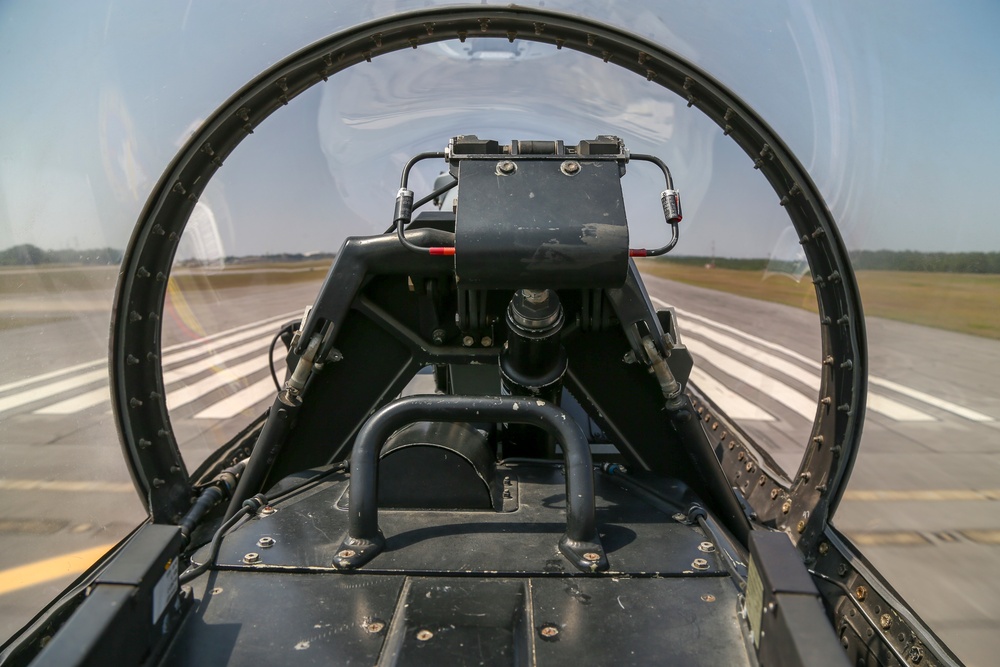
(922, 501)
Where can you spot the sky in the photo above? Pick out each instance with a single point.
(891, 106)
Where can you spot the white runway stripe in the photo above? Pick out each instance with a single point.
(185, 395)
(734, 405)
(50, 390)
(876, 403)
(241, 332)
(98, 396)
(793, 399)
(240, 401)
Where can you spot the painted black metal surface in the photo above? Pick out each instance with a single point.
(536, 223)
(337, 619)
(638, 539)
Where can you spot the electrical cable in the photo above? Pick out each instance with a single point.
(270, 353)
(250, 506)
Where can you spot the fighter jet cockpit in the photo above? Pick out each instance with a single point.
(417, 333)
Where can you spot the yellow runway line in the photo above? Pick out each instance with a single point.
(43, 571)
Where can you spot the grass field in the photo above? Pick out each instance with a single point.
(963, 302)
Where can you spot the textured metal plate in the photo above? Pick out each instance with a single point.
(639, 539)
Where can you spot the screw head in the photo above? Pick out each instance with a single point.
(861, 593)
(801, 527)
(885, 621)
(786, 506)
(506, 167)
(699, 564)
(437, 336)
(424, 635)
(570, 167)
(549, 631)
(486, 341)
(251, 558)
(708, 597)
(374, 627)
(468, 341)
(591, 556)
(346, 553)
(824, 548)
(267, 510)
(707, 547)
(265, 542)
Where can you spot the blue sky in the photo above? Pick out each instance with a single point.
(892, 106)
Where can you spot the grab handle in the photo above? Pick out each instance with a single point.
(580, 543)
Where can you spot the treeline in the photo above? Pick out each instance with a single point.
(931, 262)
(28, 255)
(868, 260)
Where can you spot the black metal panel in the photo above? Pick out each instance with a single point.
(539, 226)
(132, 610)
(637, 538)
(482, 622)
(637, 622)
(786, 616)
(287, 619)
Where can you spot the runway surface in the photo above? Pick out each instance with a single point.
(922, 502)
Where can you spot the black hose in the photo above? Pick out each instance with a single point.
(250, 506)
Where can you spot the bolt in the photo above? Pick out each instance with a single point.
(424, 635)
(486, 341)
(437, 336)
(801, 527)
(740, 456)
(265, 542)
(468, 341)
(861, 593)
(763, 480)
(842, 569)
(347, 553)
(680, 518)
(251, 558)
(715, 426)
(216, 591)
(267, 510)
(885, 621)
(507, 494)
(375, 626)
(549, 631)
(916, 654)
(774, 494)
(786, 506)
(708, 597)
(569, 167)
(824, 548)
(506, 167)
(591, 556)
(699, 564)
(707, 547)
(507, 481)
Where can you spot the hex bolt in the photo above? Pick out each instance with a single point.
(707, 547)
(885, 621)
(801, 527)
(265, 542)
(468, 341)
(251, 558)
(437, 336)
(699, 564)
(824, 548)
(708, 597)
(569, 167)
(774, 494)
(486, 341)
(506, 167)
(267, 510)
(347, 553)
(424, 635)
(549, 631)
(786, 506)
(842, 569)
(861, 593)
(591, 556)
